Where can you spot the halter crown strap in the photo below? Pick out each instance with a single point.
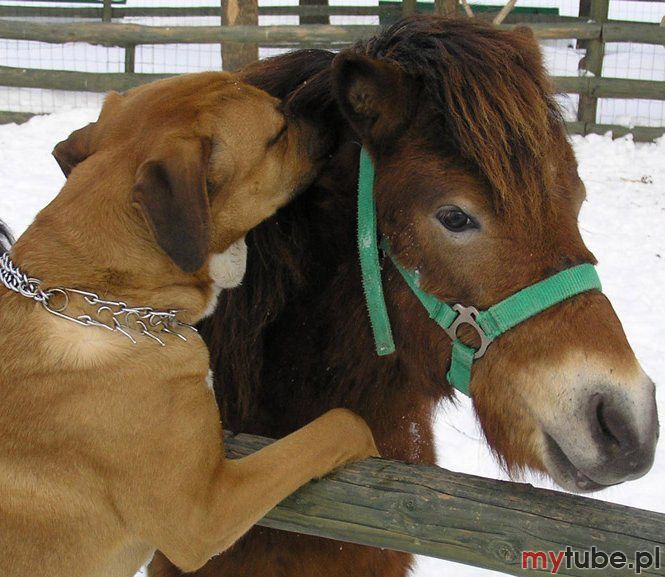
(489, 324)
(369, 258)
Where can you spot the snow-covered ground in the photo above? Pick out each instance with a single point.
(623, 222)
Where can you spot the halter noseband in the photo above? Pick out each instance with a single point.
(489, 324)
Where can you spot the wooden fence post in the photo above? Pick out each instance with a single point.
(312, 18)
(593, 62)
(409, 7)
(130, 59)
(107, 11)
(584, 12)
(235, 55)
(446, 7)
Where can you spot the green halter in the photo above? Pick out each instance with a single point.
(489, 324)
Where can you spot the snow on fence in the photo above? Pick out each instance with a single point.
(241, 36)
(482, 522)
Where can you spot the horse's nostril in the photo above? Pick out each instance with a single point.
(613, 429)
(604, 425)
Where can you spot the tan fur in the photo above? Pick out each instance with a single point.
(110, 450)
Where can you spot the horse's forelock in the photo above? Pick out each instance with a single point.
(493, 95)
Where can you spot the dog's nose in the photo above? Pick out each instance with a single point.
(626, 450)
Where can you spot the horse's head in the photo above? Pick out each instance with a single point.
(477, 189)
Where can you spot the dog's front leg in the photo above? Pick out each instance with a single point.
(244, 490)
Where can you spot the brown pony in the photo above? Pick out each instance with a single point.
(477, 188)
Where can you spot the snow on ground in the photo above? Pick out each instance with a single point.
(622, 222)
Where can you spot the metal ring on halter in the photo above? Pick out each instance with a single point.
(468, 316)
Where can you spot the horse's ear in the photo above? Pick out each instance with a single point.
(75, 149)
(170, 192)
(376, 96)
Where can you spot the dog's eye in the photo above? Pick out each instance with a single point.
(455, 219)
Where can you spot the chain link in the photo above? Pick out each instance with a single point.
(114, 316)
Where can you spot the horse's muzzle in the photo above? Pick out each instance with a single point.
(616, 443)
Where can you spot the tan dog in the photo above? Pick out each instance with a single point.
(110, 449)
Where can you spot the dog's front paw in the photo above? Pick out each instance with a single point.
(354, 435)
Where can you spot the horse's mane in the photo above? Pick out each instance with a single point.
(275, 269)
(6, 238)
(497, 113)
(492, 95)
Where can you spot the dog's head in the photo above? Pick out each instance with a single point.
(210, 158)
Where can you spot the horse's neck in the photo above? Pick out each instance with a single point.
(319, 353)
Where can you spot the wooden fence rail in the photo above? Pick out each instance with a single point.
(192, 11)
(482, 522)
(112, 34)
(105, 81)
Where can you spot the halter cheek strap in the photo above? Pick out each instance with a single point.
(489, 324)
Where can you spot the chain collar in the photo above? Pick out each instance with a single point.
(115, 316)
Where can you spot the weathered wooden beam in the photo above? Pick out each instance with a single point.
(307, 11)
(102, 82)
(314, 18)
(593, 62)
(130, 59)
(446, 7)
(74, 81)
(235, 54)
(613, 31)
(553, 31)
(630, 32)
(468, 10)
(134, 34)
(106, 11)
(610, 87)
(409, 7)
(196, 11)
(9, 117)
(640, 133)
(483, 522)
(113, 34)
(503, 13)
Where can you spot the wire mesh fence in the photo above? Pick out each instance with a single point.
(562, 57)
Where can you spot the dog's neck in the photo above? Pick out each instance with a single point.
(99, 243)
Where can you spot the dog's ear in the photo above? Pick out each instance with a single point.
(170, 191)
(74, 149)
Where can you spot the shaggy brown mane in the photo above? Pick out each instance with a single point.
(494, 98)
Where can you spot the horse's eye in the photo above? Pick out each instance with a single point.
(455, 219)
